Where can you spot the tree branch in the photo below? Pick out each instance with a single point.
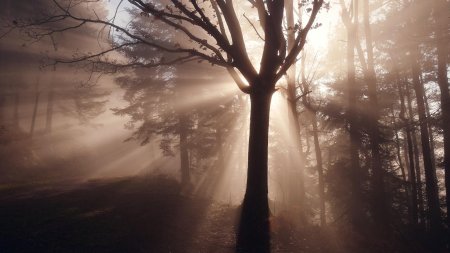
(300, 40)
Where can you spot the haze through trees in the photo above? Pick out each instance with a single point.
(368, 116)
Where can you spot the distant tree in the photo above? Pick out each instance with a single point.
(381, 214)
(293, 97)
(431, 184)
(441, 38)
(159, 109)
(350, 20)
(313, 110)
(157, 101)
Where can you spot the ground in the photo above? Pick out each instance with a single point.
(135, 214)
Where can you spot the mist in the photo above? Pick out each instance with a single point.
(224, 126)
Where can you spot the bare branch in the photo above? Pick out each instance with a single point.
(254, 28)
(302, 96)
(262, 13)
(300, 40)
(208, 27)
(214, 60)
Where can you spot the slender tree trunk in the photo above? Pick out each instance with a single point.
(308, 144)
(399, 156)
(415, 145)
(441, 27)
(430, 129)
(220, 144)
(2, 112)
(319, 165)
(352, 92)
(184, 153)
(253, 234)
(420, 194)
(434, 212)
(406, 154)
(297, 182)
(35, 109)
(410, 153)
(16, 120)
(50, 99)
(381, 213)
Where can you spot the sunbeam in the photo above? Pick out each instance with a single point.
(224, 126)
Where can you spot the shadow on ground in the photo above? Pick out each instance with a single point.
(144, 214)
(120, 215)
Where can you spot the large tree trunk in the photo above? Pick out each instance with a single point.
(253, 234)
(441, 19)
(434, 211)
(184, 153)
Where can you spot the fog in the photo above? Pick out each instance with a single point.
(224, 126)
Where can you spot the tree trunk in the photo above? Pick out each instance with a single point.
(298, 178)
(184, 153)
(399, 157)
(434, 212)
(441, 28)
(412, 178)
(416, 158)
(16, 120)
(220, 144)
(253, 234)
(35, 109)
(355, 207)
(420, 194)
(410, 153)
(430, 129)
(380, 206)
(319, 165)
(50, 99)
(2, 113)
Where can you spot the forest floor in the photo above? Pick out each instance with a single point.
(132, 215)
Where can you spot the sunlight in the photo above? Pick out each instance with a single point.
(123, 120)
(209, 92)
(284, 160)
(225, 180)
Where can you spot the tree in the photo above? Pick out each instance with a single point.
(440, 27)
(351, 113)
(293, 99)
(431, 186)
(313, 111)
(410, 157)
(214, 31)
(380, 205)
